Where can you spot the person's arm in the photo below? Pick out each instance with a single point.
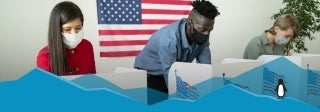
(252, 51)
(204, 56)
(167, 56)
(92, 64)
(43, 61)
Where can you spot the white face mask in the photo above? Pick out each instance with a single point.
(72, 40)
(281, 40)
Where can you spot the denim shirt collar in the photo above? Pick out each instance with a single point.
(184, 40)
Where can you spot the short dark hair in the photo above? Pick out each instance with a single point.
(205, 8)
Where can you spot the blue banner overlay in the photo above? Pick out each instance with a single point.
(39, 90)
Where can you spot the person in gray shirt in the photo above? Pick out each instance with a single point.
(274, 40)
(181, 41)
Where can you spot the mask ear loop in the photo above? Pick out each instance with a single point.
(191, 26)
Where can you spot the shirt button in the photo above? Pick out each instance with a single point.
(77, 68)
(72, 51)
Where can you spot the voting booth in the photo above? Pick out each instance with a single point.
(243, 73)
(192, 80)
(127, 81)
(300, 73)
(189, 80)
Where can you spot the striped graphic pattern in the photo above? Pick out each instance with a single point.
(184, 90)
(270, 80)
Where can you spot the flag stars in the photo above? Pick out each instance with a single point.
(120, 12)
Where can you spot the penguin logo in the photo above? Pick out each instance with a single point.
(280, 89)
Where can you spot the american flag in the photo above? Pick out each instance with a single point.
(184, 90)
(126, 25)
(270, 80)
(313, 83)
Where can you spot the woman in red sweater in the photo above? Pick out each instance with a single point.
(67, 53)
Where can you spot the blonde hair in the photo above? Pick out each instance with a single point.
(285, 22)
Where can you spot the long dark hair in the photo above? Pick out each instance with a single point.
(62, 13)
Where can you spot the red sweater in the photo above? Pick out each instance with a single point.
(80, 59)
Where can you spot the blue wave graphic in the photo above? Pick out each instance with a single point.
(96, 82)
(41, 91)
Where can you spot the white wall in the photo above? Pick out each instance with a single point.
(24, 25)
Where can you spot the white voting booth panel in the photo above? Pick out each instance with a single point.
(300, 73)
(233, 67)
(128, 81)
(127, 78)
(120, 76)
(244, 73)
(192, 73)
(204, 78)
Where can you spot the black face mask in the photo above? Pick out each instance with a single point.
(198, 37)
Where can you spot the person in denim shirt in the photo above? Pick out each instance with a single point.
(181, 41)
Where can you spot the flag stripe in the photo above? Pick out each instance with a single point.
(124, 37)
(165, 6)
(146, 21)
(125, 32)
(162, 17)
(177, 2)
(119, 53)
(130, 27)
(120, 43)
(121, 48)
(165, 11)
